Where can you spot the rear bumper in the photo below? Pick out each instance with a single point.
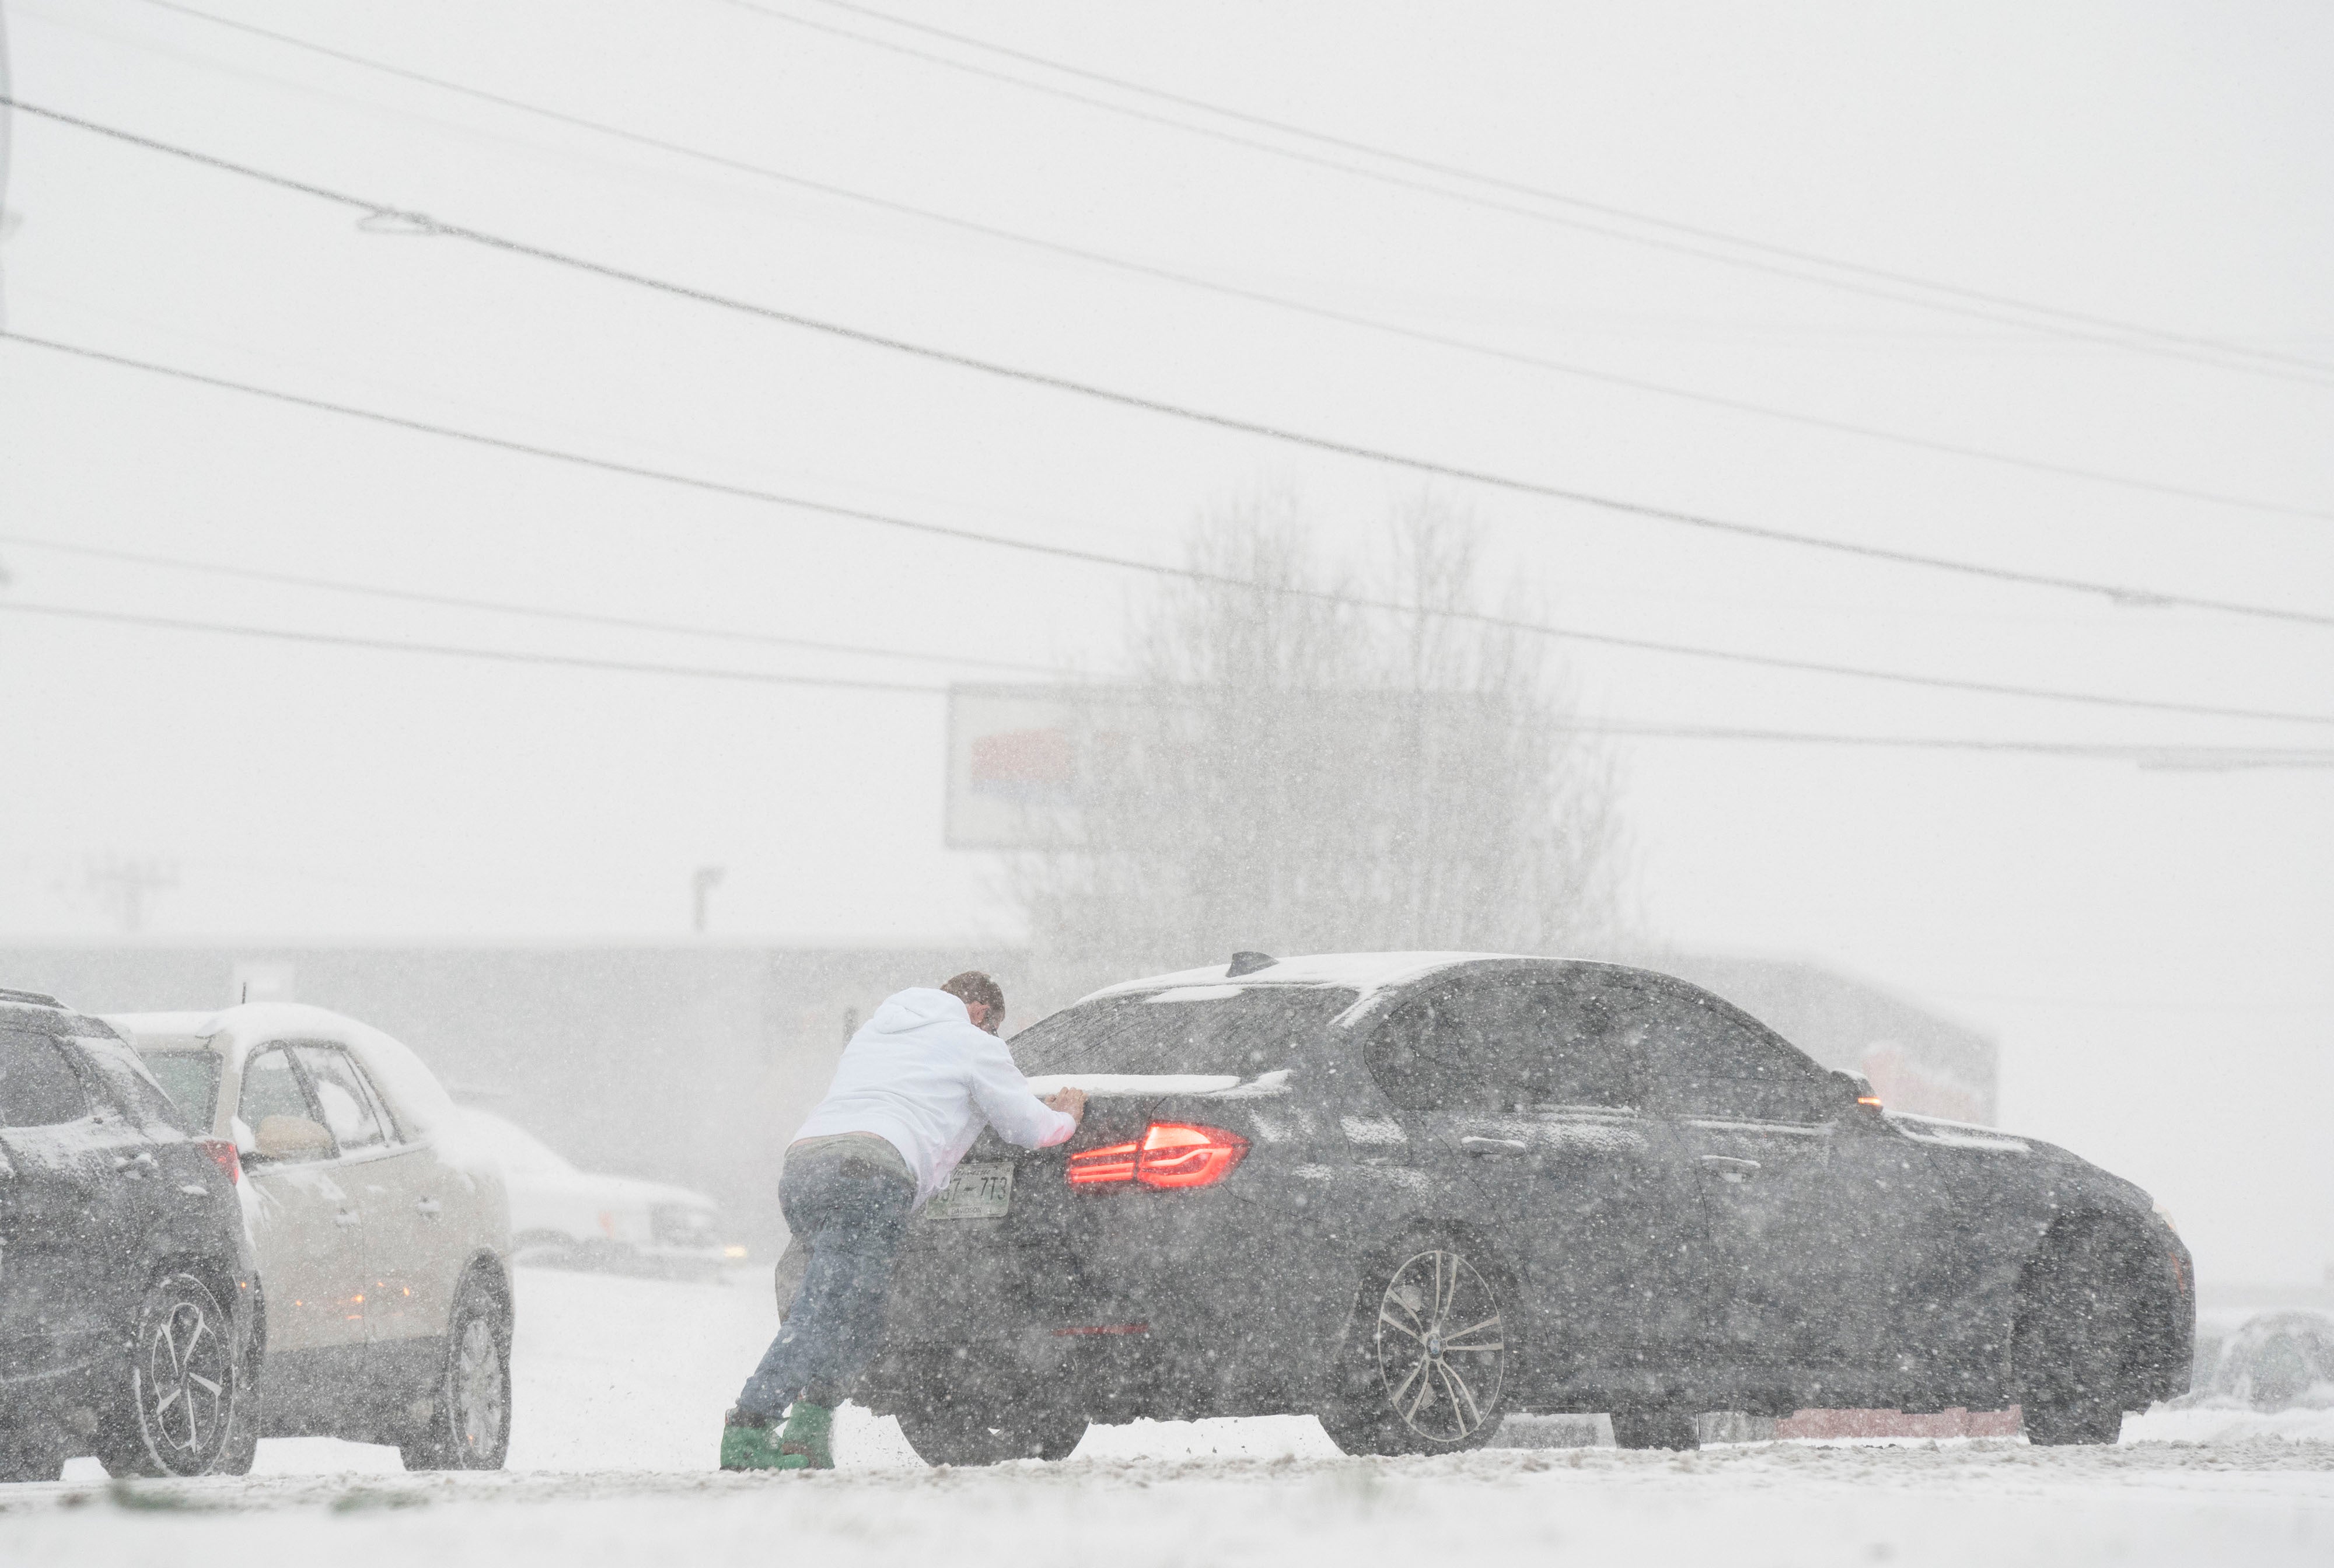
(1130, 1303)
(2168, 1372)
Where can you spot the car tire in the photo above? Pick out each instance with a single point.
(176, 1406)
(1655, 1430)
(2075, 1338)
(242, 1450)
(1429, 1354)
(949, 1433)
(469, 1401)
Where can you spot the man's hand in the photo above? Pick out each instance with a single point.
(1072, 1102)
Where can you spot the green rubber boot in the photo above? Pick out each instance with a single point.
(808, 1437)
(751, 1443)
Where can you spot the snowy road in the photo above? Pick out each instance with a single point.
(621, 1382)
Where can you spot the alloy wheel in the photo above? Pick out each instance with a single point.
(480, 1403)
(185, 1379)
(1441, 1346)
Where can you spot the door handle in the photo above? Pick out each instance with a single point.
(1727, 1168)
(1475, 1145)
(429, 1208)
(347, 1216)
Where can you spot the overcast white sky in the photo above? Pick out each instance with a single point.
(2152, 947)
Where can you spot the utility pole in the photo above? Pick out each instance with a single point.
(701, 883)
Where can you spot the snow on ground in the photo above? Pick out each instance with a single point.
(622, 1383)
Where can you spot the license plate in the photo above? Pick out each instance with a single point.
(974, 1192)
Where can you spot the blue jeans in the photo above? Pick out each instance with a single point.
(851, 1207)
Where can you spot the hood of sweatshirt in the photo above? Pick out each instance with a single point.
(917, 1008)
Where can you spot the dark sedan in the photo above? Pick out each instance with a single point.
(129, 1316)
(1413, 1193)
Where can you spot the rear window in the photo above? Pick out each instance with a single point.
(191, 1080)
(1242, 1030)
(38, 1086)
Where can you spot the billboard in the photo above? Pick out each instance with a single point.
(1013, 765)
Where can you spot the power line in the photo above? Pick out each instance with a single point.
(450, 650)
(423, 223)
(2166, 345)
(2177, 755)
(2170, 757)
(1250, 295)
(500, 607)
(1123, 563)
(1562, 199)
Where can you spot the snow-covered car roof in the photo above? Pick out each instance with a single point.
(1363, 972)
(414, 1092)
(526, 1158)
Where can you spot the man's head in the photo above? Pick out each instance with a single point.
(981, 997)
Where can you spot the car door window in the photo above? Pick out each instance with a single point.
(272, 1089)
(38, 1086)
(344, 1097)
(391, 1129)
(1584, 1055)
(1709, 1059)
(1460, 1048)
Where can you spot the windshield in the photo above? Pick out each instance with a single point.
(191, 1079)
(1214, 1029)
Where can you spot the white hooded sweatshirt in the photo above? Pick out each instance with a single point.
(920, 1076)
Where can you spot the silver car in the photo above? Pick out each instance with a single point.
(591, 1220)
(383, 1245)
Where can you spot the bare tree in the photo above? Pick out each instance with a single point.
(1289, 772)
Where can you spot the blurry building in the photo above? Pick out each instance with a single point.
(1917, 1060)
(692, 1061)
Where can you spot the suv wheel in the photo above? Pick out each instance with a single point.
(2072, 1343)
(1655, 1430)
(179, 1403)
(1430, 1355)
(468, 1424)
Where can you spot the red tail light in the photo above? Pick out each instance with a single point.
(1115, 1163)
(222, 1150)
(1168, 1154)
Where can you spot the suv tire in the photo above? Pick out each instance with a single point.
(181, 1392)
(468, 1424)
(2073, 1343)
(1655, 1430)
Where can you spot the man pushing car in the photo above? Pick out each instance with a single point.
(912, 1092)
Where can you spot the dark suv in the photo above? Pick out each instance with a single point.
(1412, 1192)
(131, 1322)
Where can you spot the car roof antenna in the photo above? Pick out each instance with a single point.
(1248, 963)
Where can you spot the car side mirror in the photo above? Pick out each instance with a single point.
(1855, 1095)
(291, 1138)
